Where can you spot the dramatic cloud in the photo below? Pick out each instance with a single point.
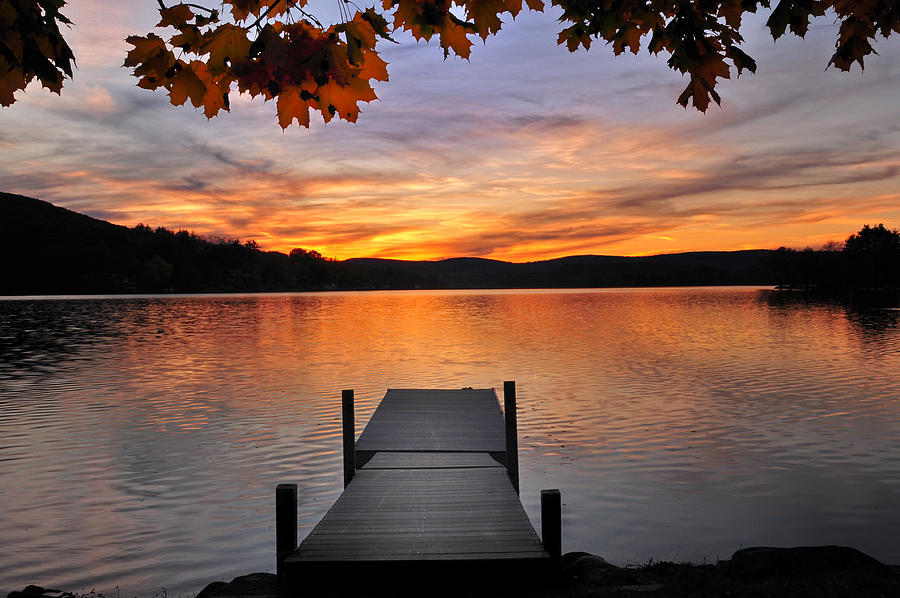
(525, 152)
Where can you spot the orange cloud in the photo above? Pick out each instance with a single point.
(479, 164)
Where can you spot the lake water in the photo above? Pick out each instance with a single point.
(141, 438)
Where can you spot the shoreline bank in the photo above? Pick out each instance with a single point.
(797, 572)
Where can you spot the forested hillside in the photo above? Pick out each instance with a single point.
(51, 250)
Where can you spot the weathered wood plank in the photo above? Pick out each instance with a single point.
(435, 420)
(387, 513)
(446, 556)
(386, 460)
(429, 489)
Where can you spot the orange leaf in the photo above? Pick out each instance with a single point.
(407, 15)
(186, 39)
(186, 84)
(150, 57)
(484, 15)
(629, 37)
(359, 28)
(12, 39)
(11, 80)
(732, 11)
(175, 16)
(215, 89)
(227, 42)
(573, 37)
(453, 37)
(144, 47)
(342, 99)
(373, 67)
(8, 15)
(240, 9)
(291, 105)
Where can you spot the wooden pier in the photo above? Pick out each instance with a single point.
(431, 482)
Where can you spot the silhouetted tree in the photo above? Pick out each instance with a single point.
(873, 255)
(156, 273)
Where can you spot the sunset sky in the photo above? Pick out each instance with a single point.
(525, 152)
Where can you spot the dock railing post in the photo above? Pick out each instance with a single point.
(551, 522)
(512, 433)
(349, 435)
(285, 530)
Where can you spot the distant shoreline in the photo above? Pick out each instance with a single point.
(462, 290)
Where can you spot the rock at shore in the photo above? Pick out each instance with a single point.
(254, 585)
(817, 561)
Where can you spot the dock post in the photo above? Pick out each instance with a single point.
(349, 435)
(551, 522)
(512, 433)
(285, 530)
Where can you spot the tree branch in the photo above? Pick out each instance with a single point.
(164, 7)
(260, 18)
(311, 17)
(209, 10)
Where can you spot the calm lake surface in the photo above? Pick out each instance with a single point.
(141, 438)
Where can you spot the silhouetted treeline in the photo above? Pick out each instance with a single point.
(868, 261)
(681, 269)
(51, 250)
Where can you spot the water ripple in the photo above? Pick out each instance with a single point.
(141, 438)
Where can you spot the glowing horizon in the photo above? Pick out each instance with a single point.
(525, 153)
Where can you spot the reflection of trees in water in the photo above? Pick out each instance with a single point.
(40, 336)
(875, 323)
(44, 335)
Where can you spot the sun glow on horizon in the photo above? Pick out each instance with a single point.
(482, 161)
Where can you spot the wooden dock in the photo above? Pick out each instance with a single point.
(432, 479)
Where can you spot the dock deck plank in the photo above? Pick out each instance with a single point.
(435, 420)
(390, 460)
(424, 513)
(431, 492)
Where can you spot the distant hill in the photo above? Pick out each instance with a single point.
(51, 250)
(680, 269)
